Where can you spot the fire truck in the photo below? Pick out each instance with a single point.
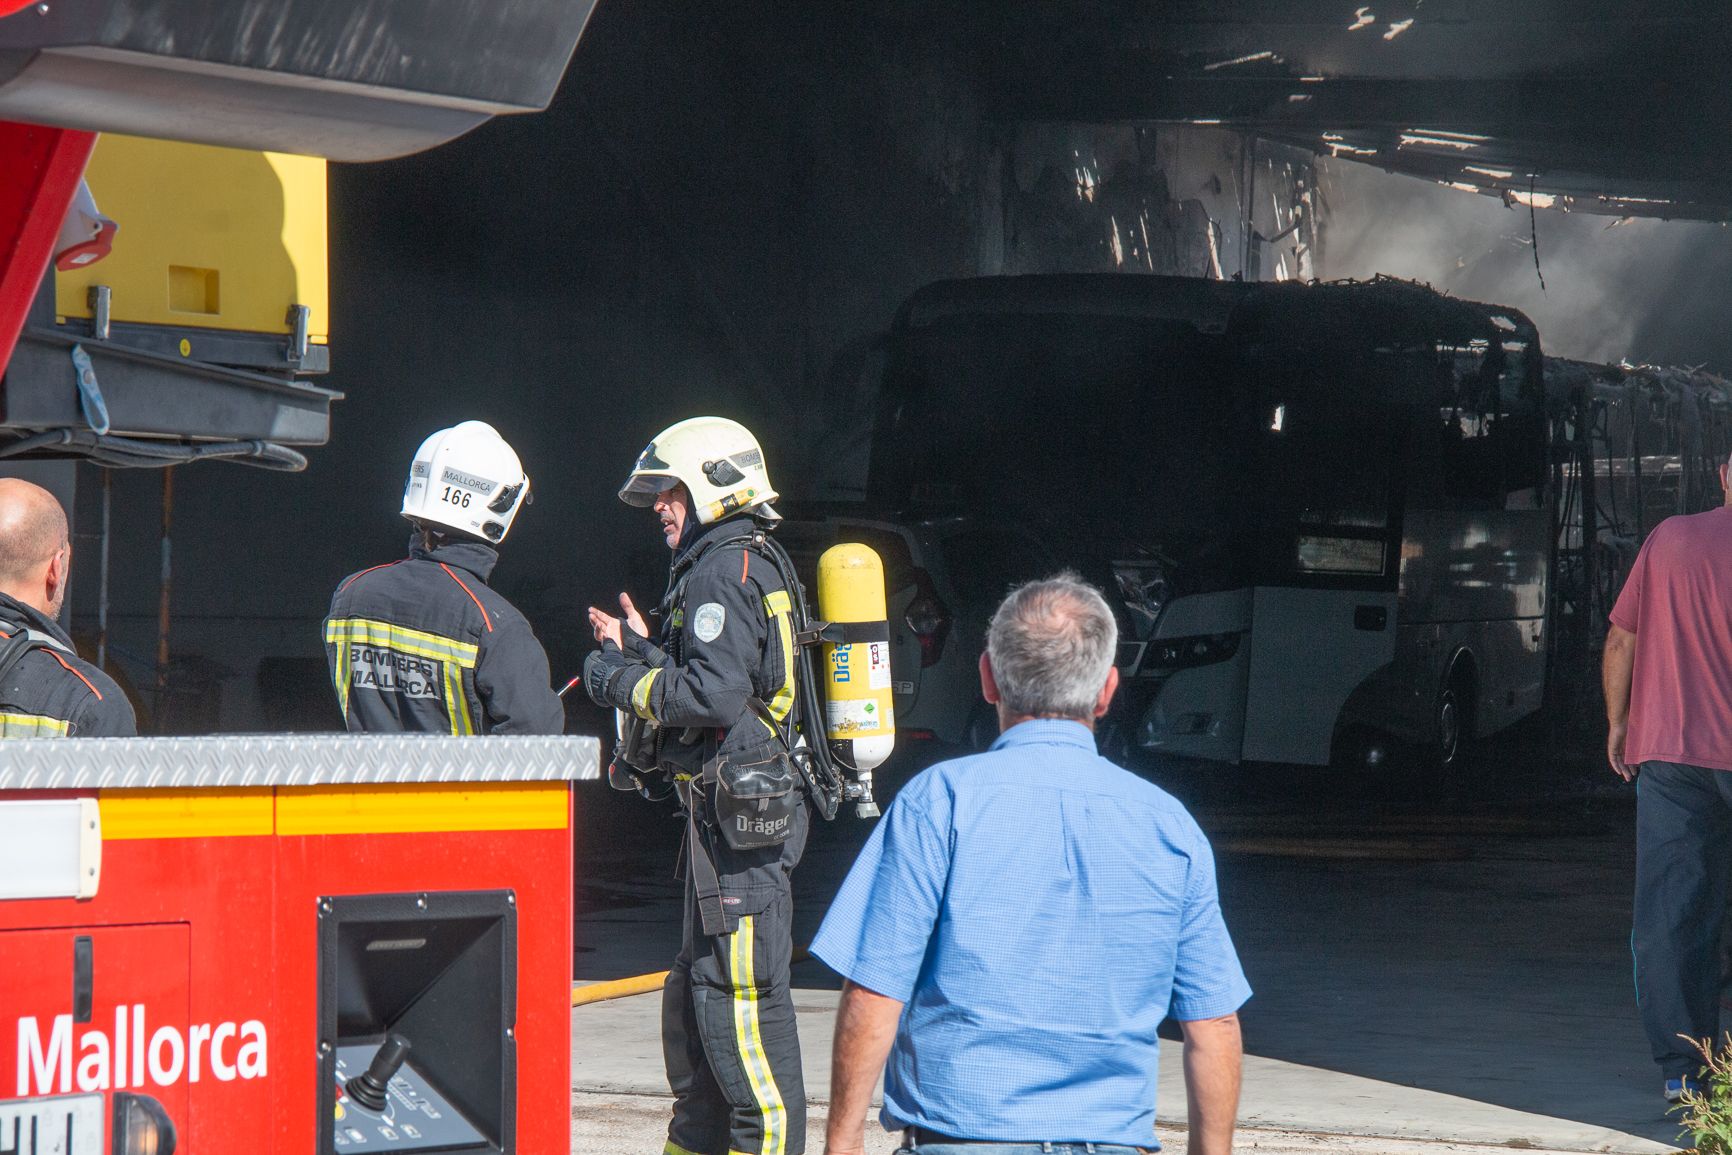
(277, 943)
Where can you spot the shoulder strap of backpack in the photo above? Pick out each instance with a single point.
(13, 649)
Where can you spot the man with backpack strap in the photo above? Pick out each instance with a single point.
(711, 705)
(46, 689)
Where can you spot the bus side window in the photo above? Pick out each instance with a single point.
(1469, 415)
(1521, 432)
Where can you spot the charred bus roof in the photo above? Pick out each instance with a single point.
(1381, 309)
(1205, 304)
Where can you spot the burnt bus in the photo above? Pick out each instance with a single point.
(1324, 509)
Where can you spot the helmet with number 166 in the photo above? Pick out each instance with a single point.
(466, 478)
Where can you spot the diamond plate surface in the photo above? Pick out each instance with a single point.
(291, 760)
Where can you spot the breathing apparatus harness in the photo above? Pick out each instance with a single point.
(831, 778)
(828, 775)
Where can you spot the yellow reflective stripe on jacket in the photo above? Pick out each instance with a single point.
(32, 726)
(456, 701)
(454, 655)
(640, 693)
(780, 608)
(747, 1036)
(422, 644)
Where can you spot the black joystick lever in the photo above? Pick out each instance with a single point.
(368, 1088)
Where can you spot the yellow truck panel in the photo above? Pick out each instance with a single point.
(211, 238)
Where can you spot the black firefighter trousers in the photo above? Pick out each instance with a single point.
(1683, 847)
(729, 1038)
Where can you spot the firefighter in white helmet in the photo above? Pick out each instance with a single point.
(711, 699)
(423, 644)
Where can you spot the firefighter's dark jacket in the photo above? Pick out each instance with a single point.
(424, 645)
(726, 637)
(53, 693)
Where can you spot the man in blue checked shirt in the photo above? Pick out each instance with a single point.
(1021, 922)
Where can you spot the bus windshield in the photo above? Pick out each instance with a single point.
(1290, 449)
(1125, 423)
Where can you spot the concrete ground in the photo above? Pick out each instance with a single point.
(1453, 972)
(636, 1123)
(619, 1099)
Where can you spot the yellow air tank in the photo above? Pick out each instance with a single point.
(859, 714)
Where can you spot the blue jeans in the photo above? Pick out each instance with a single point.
(1021, 1149)
(1683, 838)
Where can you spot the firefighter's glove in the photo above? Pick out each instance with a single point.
(602, 670)
(621, 776)
(641, 648)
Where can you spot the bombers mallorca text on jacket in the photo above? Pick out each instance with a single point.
(424, 645)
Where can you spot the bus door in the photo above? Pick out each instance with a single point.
(1476, 537)
(1323, 616)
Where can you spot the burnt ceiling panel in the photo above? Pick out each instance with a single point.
(1587, 105)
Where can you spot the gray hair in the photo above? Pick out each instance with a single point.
(1051, 645)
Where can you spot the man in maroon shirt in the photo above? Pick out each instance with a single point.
(1668, 680)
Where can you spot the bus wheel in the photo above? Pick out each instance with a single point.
(1452, 726)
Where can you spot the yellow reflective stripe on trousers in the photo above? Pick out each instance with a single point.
(751, 1042)
(32, 726)
(640, 695)
(672, 1148)
(454, 656)
(780, 607)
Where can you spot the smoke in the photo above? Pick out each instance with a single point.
(1633, 288)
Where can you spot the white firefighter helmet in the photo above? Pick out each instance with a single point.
(719, 461)
(468, 479)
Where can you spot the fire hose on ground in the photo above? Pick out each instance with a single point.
(638, 985)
